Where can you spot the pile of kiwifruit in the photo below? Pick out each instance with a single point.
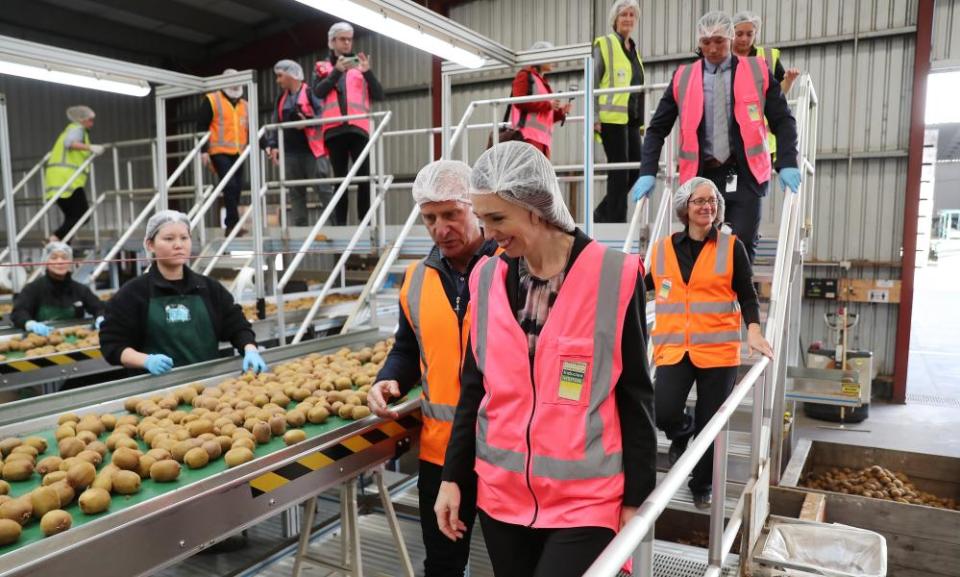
(300, 304)
(876, 482)
(228, 420)
(35, 345)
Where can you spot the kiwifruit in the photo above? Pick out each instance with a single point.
(126, 482)
(87, 436)
(65, 490)
(56, 521)
(335, 407)
(261, 433)
(21, 457)
(213, 449)
(70, 447)
(17, 470)
(127, 443)
(130, 405)
(317, 415)
(112, 440)
(92, 457)
(9, 531)
(354, 400)
(127, 420)
(68, 418)
(104, 480)
(165, 471)
(18, 510)
(92, 424)
(48, 465)
(296, 418)
(53, 477)
(143, 469)
(196, 458)
(199, 427)
(361, 412)
(94, 500)
(25, 449)
(126, 459)
(44, 499)
(244, 442)
(4, 488)
(159, 454)
(278, 425)
(64, 431)
(294, 436)
(5, 498)
(69, 462)
(109, 421)
(238, 456)
(81, 475)
(346, 411)
(182, 448)
(226, 443)
(99, 447)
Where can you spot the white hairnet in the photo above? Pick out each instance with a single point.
(715, 23)
(337, 29)
(162, 218)
(56, 247)
(618, 7)
(442, 180)
(519, 173)
(289, 67)
(233, 91)
(745, 16)
(681, 198)
(80, 113)
(541, 45)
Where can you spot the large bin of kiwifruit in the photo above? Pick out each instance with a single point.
(911, 499)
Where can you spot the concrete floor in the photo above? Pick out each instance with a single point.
(933, 377)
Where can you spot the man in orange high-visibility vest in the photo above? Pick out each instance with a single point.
(224, 114)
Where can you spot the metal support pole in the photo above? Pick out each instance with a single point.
(253, 125)
(446, 113)
(309, 514)
(92, 179)
(160, 153)
(283, 178)
(393, 522)
(588, 107)
(643, 557)
(198, 189)
(381, 230)
(6, 182)
(496, 131)
(718, 507)
(115, 159)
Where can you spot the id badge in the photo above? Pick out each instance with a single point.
(731, 183)
(664, 292)
(572, 375)
(753, 110)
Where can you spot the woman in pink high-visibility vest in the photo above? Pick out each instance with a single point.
(555, 413)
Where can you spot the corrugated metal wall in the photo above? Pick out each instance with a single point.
(946, 32)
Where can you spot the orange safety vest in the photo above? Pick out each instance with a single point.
(442, 342)
(700, 317)
(313, 134)
(750, 85)
(358, 98)
(228, 129)
(537, 127)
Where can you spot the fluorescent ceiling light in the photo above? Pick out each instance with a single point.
(382, 24)
(98, 82)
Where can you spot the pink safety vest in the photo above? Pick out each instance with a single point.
(358, 98)
(749, 98)
(536, 127)
(313, 134)
(549, 447)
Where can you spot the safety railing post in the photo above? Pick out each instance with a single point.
(160, 153)
(95, 197)
(198, 189)
(381, 183)
(283, 177)
(6, 182)
(253, 123)
(115, 162)
(588, 109)
(719, 489)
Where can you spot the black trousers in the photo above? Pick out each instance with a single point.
(445, 558)
(343, 149)
(518, 551)
(72, 208)
(673, 386)
(621, 143)
(743, 207)
(231, 191)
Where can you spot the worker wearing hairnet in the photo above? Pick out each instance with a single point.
(533, 121)
(55, 296)
(62, 172)
(564, 447)
(619, 116)
(721, 100)
(224, 114)
(746, 26)
(304, 153)
(429, 341)
(347, 86)
(172, 316)
(704, 273)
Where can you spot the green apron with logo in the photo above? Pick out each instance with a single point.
(55, 313)
(179, 326)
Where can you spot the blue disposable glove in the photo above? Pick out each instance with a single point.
(253, 361)
(98, 322)
(642, 187)
(158, 364)
(790, 178)
(38, 328)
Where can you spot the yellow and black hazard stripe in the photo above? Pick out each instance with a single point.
(330, 455)
(56, 359)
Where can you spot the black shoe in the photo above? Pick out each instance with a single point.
(703, 500)
(677, 447)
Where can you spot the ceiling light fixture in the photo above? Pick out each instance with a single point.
(80, 80)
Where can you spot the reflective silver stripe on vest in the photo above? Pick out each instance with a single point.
(513, 461)
(483, 307)
(712, 307)
(723, 248)
(682, 87)
(413, 303)
(714, 338)
(661, 258)
(756, 150)
(437, 411)
(687, 155)
(758, 80)
(670, 308)
(531, 122)
(669, 339)
(359, 105)
(612, 108)
(596, 462)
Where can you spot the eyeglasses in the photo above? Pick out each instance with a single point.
(703, 201)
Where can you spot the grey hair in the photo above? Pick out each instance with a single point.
(681, 199)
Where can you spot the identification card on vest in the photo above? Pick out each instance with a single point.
(664, 292)
(753, 110)
(572, 374)
(731, 183)
(177, 313)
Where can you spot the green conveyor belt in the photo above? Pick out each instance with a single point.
(148, 488)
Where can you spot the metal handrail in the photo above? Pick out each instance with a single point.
(342, 261)
(26, 178)
(70, 234)
(212, 262)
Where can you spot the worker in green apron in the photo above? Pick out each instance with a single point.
(172, 316)
(55, 296)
